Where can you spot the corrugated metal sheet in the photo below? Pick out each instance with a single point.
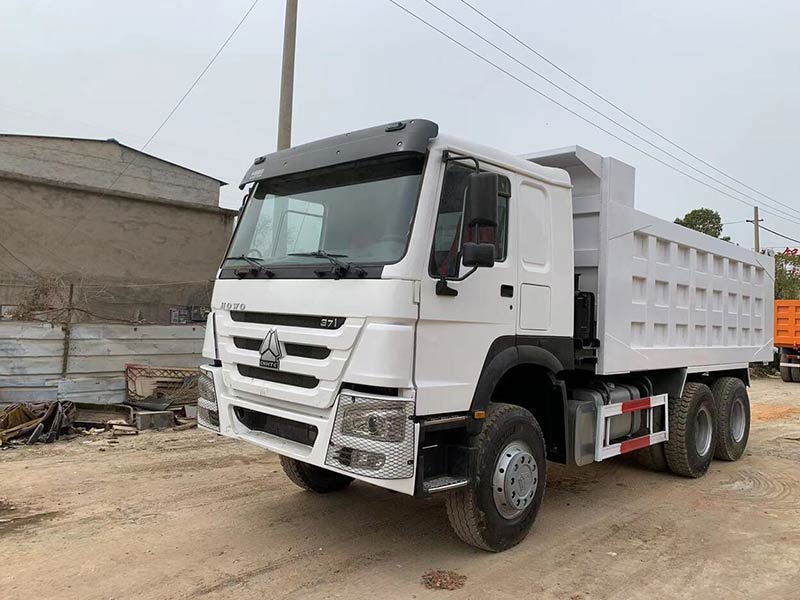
(31, 354)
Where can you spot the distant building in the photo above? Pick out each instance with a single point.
(140, 236)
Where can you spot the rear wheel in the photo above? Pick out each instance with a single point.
(313, 478)
(794, 372)
(653, 458)
(498, 508)
(733, 417)
(692, 431)
(786, 374)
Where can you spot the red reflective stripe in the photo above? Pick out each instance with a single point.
(634, 444)
(636, 405)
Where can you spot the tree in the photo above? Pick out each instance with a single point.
(704, 220)
(787, 276)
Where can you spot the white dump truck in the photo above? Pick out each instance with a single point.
(430, 315)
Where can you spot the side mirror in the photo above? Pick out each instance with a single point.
(478, 255)
(481, 203)
(480, 211)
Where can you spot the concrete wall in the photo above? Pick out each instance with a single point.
(31, 357)
(102, 240)
(95, 163)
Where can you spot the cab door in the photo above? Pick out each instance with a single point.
(455, 332)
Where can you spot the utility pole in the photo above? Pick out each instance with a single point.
(287, 76)
(756, 243)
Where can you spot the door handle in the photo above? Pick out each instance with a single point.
(507, 291)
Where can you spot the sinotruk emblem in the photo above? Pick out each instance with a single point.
(271, 353)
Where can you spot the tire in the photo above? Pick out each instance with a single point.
(794, 372)
(511, 441)
(733, 417)
(786, 374)
(692, 431)
(653, 458)
(313, 479)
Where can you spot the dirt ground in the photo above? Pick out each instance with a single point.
(190, 515)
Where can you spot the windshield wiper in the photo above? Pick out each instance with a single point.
(257, 269)
(340, 267)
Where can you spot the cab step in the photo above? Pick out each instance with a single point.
(443, 484)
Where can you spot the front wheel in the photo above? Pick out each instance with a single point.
(313, 479)
(498, 508)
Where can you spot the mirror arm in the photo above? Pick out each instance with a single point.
(447, 156)
(443, 289)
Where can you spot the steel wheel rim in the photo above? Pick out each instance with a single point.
(702, 431)
(738, 420)
(515, 479)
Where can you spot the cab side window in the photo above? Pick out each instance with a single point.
(451, 232)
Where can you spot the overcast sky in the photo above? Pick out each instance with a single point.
(720, 77)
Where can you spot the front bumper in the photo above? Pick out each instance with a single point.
(312, 435)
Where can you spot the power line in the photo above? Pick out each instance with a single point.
(191, 87)
(8, 250)
(619, 108)
(786, 237)
(599, 112)
(18, 259)
(571, 111)
(176, 107)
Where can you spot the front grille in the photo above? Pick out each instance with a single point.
(311, 321)
(284, 377)
(301, 350)
(302, 433)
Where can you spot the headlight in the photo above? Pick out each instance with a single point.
(379, 420)
(373, 436)
(361, 459)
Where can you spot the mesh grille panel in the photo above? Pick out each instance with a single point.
(205, 386)
(345, 451)
(207, 411)
(207, 418)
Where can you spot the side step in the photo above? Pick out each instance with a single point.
(603, 446)
(443, 484)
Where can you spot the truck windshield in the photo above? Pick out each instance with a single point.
(361, 213)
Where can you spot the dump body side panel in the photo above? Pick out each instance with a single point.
(787, 323)
(666, 296)
(675, 297)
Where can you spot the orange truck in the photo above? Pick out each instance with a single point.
(787, 338)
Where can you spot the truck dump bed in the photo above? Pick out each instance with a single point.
(787, 323)
(667, 296)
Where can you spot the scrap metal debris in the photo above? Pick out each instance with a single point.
(35, 422)
(102, 414)
(161, 388)
(156, 398)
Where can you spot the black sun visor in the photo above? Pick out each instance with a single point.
(399, 137)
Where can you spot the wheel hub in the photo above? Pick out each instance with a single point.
(738, 420)
(516, 477)
(703, 430)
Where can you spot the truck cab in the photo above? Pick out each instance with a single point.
(404, 308)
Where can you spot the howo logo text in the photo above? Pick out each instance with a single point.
(271, 352)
